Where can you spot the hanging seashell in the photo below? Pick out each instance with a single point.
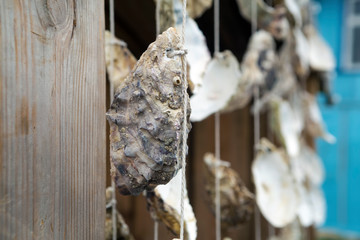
(257, 69)
(292, 231)
(123, 61)
(276, 192)
(321, 56)
(196, 8)
(167, 15)
(312, 208)
(302, 60)
(314, 123)
(237, 202)
(198, 53)
(271, 19)
(123, 232)
(221, 77)
(307, 166)
(286, 125)
(146, 119)
(164, 206)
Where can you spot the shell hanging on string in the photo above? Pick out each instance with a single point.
(146, 118)
(237, 202)
(314, 123)
(198, 53)
(286, 125)
(164, 205)
(123, 231)
(123, 61)
(167, 16)
(292, 231)
(271, 19)
(196, 8)
(276, 191)
(214, 94)
(257, 69)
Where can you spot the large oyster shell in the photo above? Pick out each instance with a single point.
(146, 118)
(164, 206)
(237, 202)
(276, 192)
(123, 61)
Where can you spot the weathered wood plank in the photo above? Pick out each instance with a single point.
(52, 124)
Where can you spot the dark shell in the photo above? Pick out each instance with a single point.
(146, 119)
(237, 202)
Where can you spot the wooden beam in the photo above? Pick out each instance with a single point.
(52, 119)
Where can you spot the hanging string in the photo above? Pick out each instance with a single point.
(217, 128)
(183, 158)
(113, 197)
(156, 230)
(256, 120)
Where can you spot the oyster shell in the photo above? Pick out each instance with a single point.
(221, 77)
(198, 53)
(164, 206)
(257, 69)
(314, 123)
(286, 125)
(271, 19)
(123, 60)
(276, 192)
(146, 119)
(123, 231)
(196, 8)
(237, 202)
(167, 15)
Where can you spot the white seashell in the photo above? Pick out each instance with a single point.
(276, 192)
(198, 53)
(170, 194)
(221, 78)
(312, 208)
(314, 123)
(286, 126)
(320, 54)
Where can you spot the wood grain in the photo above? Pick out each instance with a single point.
(52, 119)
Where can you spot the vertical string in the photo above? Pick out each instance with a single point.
(256, 119)
(157, 19)
(113, 197)
(183, 158)
(217, 128)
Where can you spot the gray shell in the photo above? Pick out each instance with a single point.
(146, 119)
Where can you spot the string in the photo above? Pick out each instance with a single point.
(156, 230)
(113, 197)
(256, 119)
(183, 158)
(157, 17)
(217, 128)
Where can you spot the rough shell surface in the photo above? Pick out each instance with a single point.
(164, 206)
(123, 231)
(276, 192)
(146, 119)
(221, 77)
(237, 202)
(123, 61)
(257, 69)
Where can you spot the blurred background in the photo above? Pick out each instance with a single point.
(339, 23)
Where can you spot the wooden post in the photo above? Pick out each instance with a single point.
(52, 119)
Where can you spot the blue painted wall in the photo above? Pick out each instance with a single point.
(341, 160)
